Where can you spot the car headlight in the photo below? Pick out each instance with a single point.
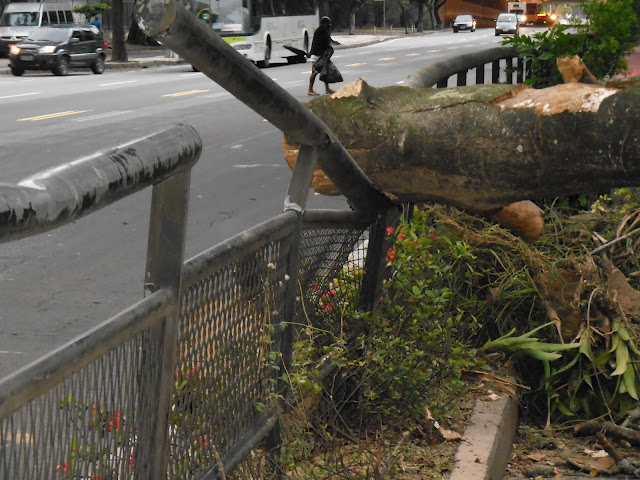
(47, 49)
(15, 50)
(553, 16)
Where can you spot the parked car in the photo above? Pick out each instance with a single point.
(464, 22)
(59, 48)
(507, 23)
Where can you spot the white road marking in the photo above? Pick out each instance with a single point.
(116, 83)
(20, 95)
(101, 115)
(260, 165)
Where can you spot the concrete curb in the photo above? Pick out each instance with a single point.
(487, 441)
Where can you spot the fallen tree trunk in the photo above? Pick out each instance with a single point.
(483, 147)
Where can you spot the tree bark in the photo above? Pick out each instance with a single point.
(420, 22)
(119, 52)
(483, 147)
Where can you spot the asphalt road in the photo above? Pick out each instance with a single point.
(58, 284)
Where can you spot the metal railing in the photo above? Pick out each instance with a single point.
(493, 65)
(169, 388)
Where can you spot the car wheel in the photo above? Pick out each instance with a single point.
(455, 30)
(62, 67)
(98, 66)
(497, 34)
(194, 69)
(267, 57)
(17, 71)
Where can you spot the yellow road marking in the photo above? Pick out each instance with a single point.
(355, 64)
(468, 45)
(53, 115)
(412, 54)
(386, 59)
(433, 51)
(452, 48)
(182, 94)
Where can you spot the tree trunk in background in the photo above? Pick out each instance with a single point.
(420, 22)
(436, 12)
(119, 50)
(352, 21)
(483, 147)
(324, 8)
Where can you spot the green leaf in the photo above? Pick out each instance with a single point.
(622, 359)
(629, 381)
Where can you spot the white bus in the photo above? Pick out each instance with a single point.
(265, 31)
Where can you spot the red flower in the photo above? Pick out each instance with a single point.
(391, 255)
(390, 230)
(327, 308)
(433, 236)
(401, 236)
(315, 286)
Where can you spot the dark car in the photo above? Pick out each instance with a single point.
(58, 48)
(545, 19)
(464, 22)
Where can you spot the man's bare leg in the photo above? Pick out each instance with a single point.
(311, 82)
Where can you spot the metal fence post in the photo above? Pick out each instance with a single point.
(165, 256)
(296, 201)
(374, 266)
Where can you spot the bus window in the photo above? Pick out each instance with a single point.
(45, 19)
(53, 16)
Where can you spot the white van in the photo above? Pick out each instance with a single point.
(20, 19)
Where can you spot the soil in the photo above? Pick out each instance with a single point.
(557, 453)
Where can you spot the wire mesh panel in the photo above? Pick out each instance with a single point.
(333, 253)
(87, 425)
(228, 339)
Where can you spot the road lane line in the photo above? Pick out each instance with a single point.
(412, 55)
(101, 115)
(116, 83)
(20, 95)
(452, 48)
(278, 165)
(355, 64)
(386, 59)
(433, 51)
(182, 94)
(53, 115)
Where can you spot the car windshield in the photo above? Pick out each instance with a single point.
(46, 34)
(19, 19)
(463, 18)
(507, 18)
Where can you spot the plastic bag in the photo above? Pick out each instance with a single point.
(330, 73)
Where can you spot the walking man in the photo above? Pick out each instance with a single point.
(321, 42)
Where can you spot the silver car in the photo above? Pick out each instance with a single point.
(507, 23)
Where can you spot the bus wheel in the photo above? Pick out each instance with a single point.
(267, 57)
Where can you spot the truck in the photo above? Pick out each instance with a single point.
(530, 13)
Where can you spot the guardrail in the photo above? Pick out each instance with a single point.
(494, 64)
(169, 387)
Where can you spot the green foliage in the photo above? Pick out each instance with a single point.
(90, 11)
(541, 52)
(612, 33)
(612, 30)
(414, 345)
